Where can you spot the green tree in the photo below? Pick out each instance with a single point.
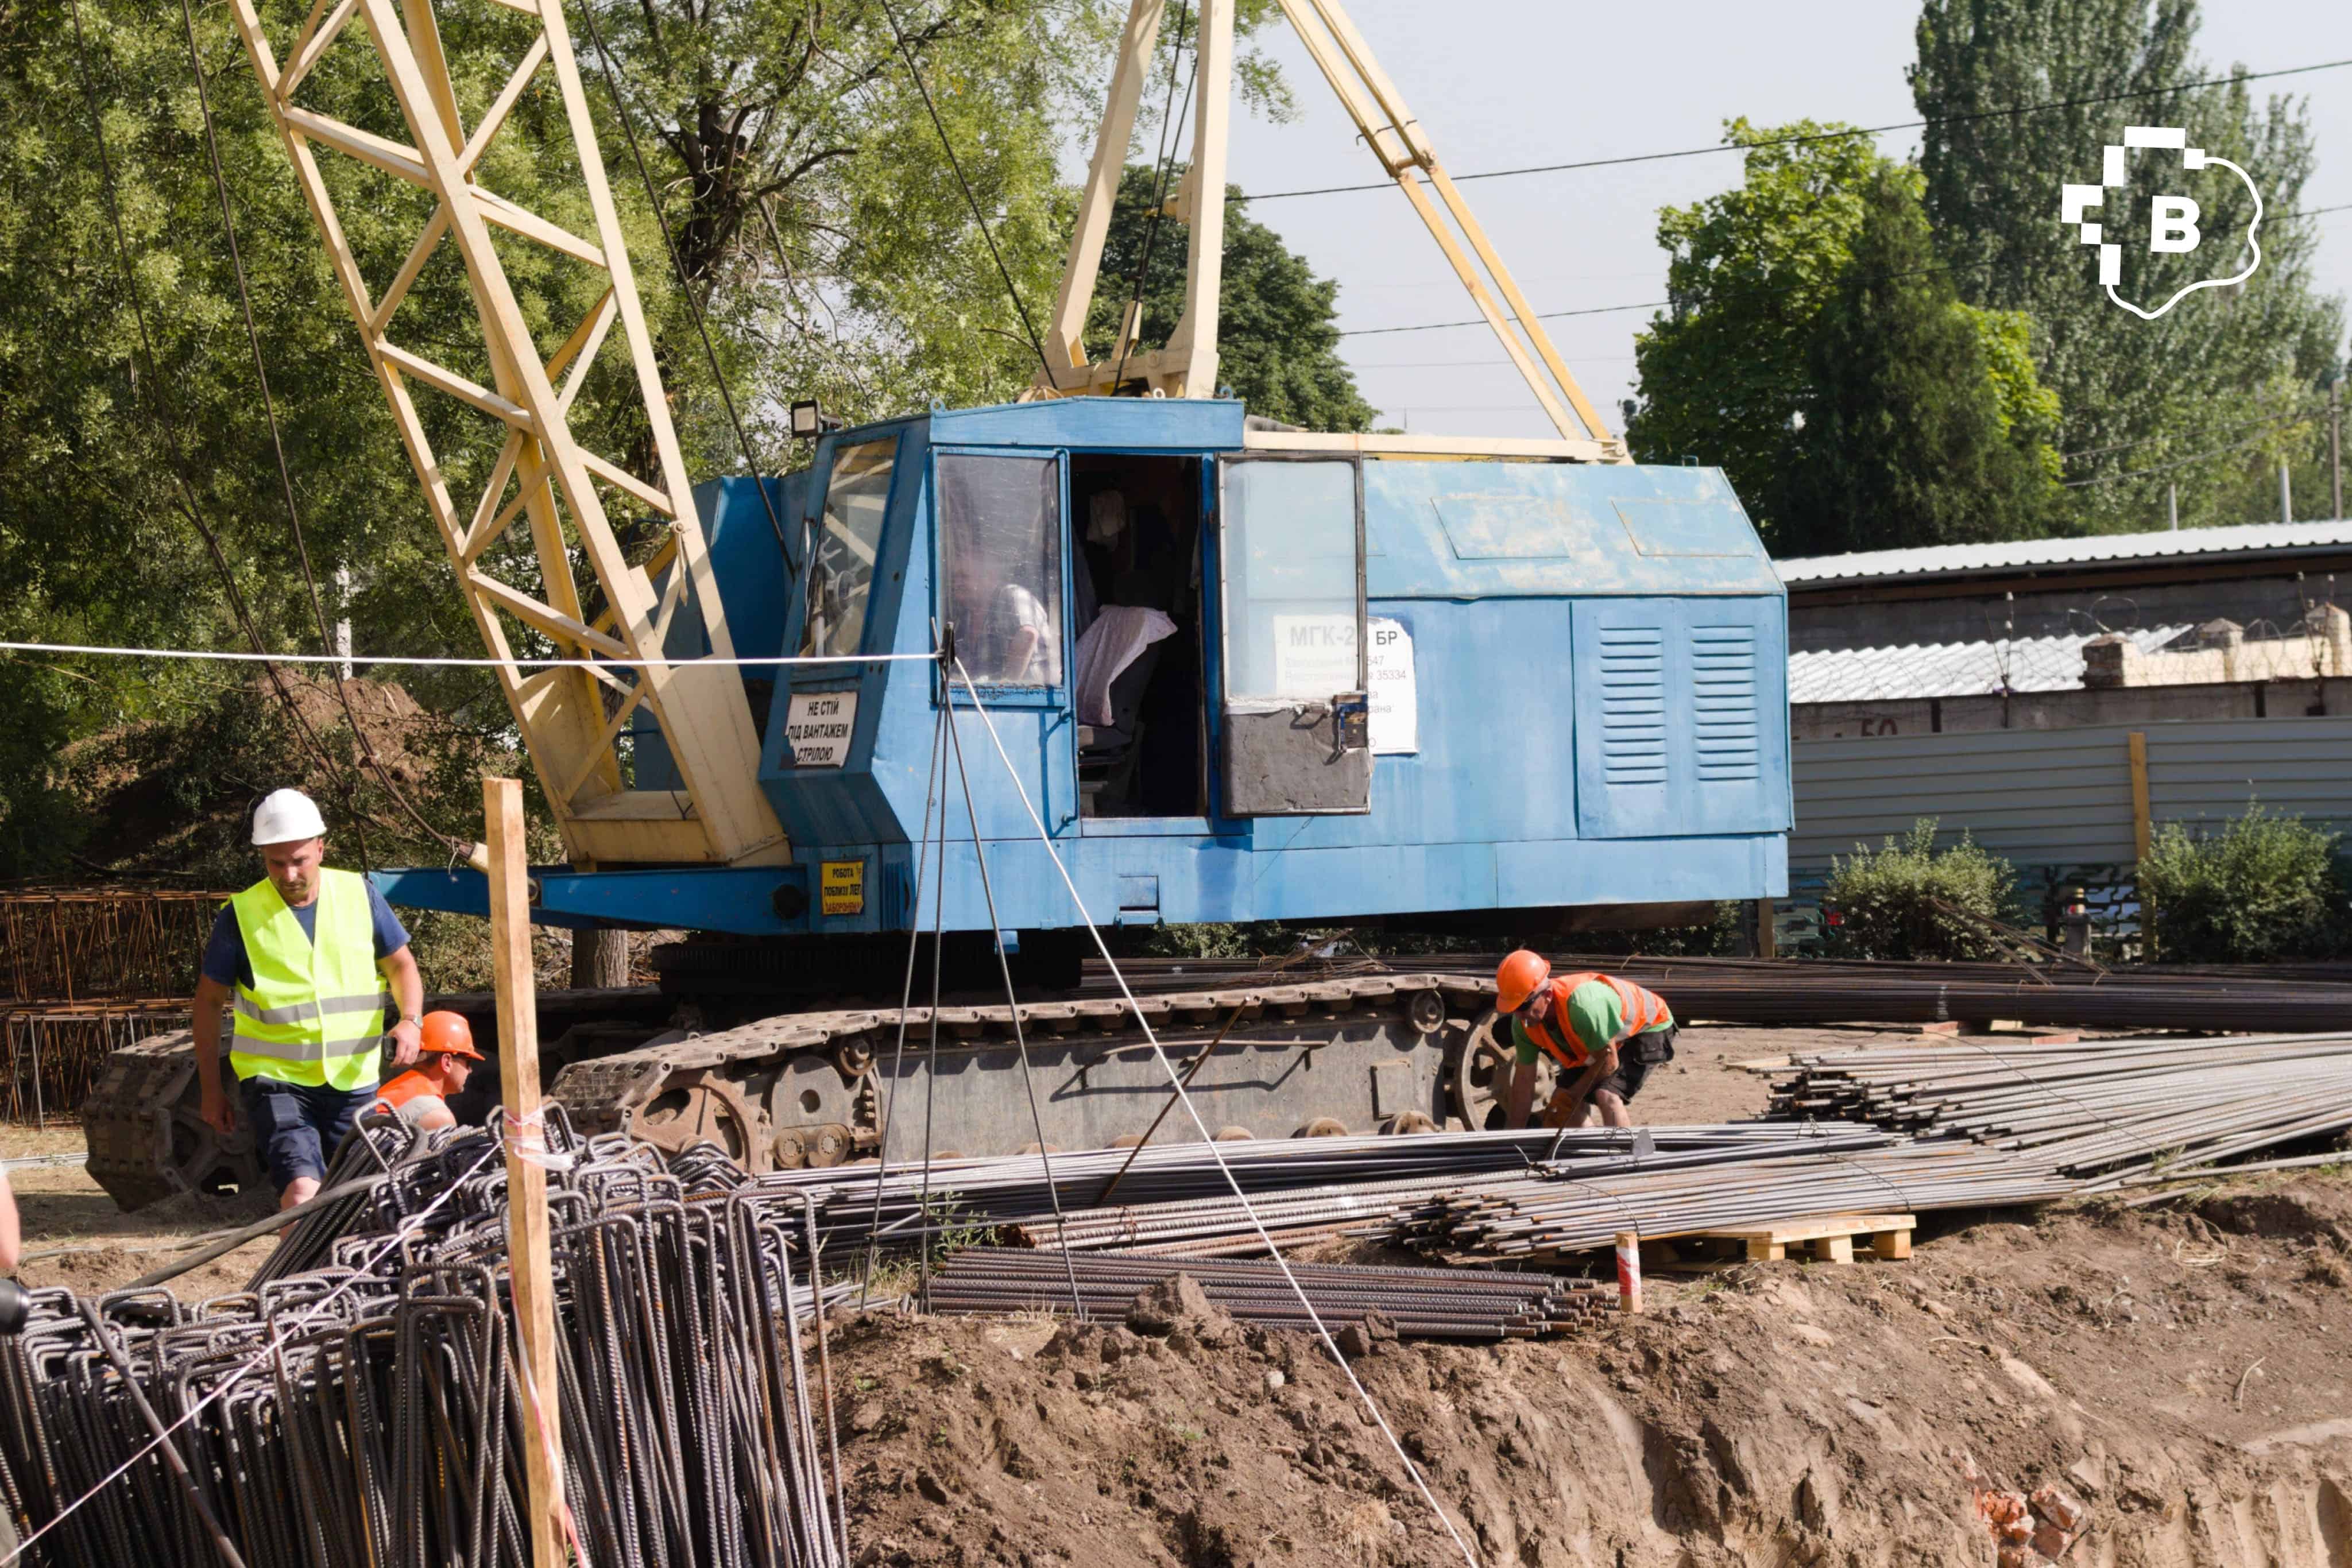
(1729, 374)
(1906, 440)
(1277, 337)
(1723, 371)
(820, 226)
(2235, 369)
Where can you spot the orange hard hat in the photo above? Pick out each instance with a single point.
(1517, 977)
(449, 1033)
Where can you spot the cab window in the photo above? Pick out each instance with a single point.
(1000, 565)
(850, 537)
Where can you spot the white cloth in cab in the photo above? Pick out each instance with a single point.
(1116, 638)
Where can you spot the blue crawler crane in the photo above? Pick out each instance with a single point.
(1476, 685)
(1239, 674)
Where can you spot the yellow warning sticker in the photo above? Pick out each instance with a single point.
(841, 888)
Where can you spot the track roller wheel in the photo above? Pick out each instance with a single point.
(1427, 1011)
(1236, 1134)
(1323, 1127)
(830, 1145)
(1405, 1124)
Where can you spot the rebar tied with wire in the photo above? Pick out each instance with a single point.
(369, 1412)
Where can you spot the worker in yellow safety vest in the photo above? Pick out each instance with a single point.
(1604, 1033)
(307, 952)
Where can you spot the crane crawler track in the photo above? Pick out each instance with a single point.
(814, 1087)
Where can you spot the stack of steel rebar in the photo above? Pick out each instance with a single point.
(1779, 991)
(1176, 1196)
(1551, 1214)
(1426, 1303)
(368, 1411)
(2104, 1112)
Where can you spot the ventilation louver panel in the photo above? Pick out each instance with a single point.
(1634, 705)
(1723, 706)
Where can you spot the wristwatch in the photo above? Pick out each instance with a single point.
(416, 1018)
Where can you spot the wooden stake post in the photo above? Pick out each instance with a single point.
(527, 1239)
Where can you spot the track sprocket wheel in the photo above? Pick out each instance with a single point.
(701, 1106)
(1478, 1070)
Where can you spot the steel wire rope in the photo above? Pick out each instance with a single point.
(775, 661)
(161, 408)
(914, 74)
(278, 1336)
(934, 784)
(1216, 1152)
(285, 471)
(939, 942)
(685, 285)
(2012, 109)
(1012, 997)
(1171, 132)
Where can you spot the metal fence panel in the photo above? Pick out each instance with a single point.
(2065, 796)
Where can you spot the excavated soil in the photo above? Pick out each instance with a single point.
(2185, 1373)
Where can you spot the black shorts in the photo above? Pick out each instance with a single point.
(1634, 1059)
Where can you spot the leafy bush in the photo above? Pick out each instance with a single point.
(2267, 886)
(1909, 900)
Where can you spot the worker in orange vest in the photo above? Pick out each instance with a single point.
(420, 1097)
(1604, 1033)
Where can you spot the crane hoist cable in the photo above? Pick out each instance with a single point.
(947, 146)
(160, 409)
(1171, 133)
(285, 473)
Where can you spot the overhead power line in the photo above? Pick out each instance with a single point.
(1663, 304)
(2047, 108)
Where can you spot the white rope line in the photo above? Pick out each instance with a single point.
(276, 1339)
(413, 661)
(1215, 1151)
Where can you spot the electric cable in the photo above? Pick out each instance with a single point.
(1812, 136)
(1171, 133)
(677, 266)
(1668, 304)
(971, 201)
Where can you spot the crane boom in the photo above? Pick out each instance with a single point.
(572, 719)
(1187, 365)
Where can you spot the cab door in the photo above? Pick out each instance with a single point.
(1291, 598)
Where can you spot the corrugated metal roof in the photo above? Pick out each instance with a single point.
(2025, 555)
(1950, 669)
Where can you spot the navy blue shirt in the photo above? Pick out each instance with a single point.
(226, 965)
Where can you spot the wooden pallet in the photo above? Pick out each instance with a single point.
(1831, 1239)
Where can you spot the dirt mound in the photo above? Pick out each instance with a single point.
(2188, 1382)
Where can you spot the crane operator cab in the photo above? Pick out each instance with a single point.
(1242, 674)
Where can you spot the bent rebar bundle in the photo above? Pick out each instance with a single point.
(369, 1413)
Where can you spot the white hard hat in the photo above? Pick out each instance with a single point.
(287, 817)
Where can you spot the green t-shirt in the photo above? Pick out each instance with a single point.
(1595, 1014)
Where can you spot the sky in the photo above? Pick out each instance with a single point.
(1505, 83)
